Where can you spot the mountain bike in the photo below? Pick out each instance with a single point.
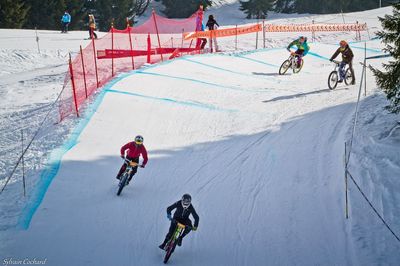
(291, 62)
(125, 176)
(171, 244)
(334, 76)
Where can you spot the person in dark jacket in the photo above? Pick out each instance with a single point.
(133, 150)
(347, 58)
(212, 24)
(183, 208)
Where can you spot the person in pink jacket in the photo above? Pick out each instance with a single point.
(131, 151)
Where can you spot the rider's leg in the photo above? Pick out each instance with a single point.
(342, 73)
(169, 234)
(134, 169)
(123, 167)
(353, 81)
(299, 54)
(188, 227)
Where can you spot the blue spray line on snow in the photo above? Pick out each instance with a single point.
(54, 162)
(199, 81)
(186, 103)
(222, 69)
(255, 60)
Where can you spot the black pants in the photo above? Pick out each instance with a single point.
(92, 33)
(65, 27)
(203, 43)
(173, 225)
(123, 168)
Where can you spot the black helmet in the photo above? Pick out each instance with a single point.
(186, 200)
(139, 139)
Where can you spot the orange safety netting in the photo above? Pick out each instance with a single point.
(315, 27)
(119, 51)
(223, 32)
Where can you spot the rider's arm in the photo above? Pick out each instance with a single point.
(172, 207)
(123, 149)
(335, 54)
(195, 216)
(291, 44)
(144, 154)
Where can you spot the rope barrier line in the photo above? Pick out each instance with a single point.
(372, 206)
(33, 138)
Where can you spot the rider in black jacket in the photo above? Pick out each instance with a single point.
(183, 209)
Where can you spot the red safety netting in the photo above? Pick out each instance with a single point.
(156, 40)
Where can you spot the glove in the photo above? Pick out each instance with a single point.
(142, 166)
(169, 216)
(331, 60)
(194, 228)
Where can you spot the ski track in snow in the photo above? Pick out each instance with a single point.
(261, 154)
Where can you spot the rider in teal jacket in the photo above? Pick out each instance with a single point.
(302, 48)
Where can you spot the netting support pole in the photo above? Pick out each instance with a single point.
(365, 69)
(313, 31)
(95, 63)
(183, 31)
(23, 162)
(256, 39)
(148, 48)
(73, 84)
(131, 46)
(236, 37)
(346, 181)
(158, 36)
(263, 29)
(83, 70)
(112, 49)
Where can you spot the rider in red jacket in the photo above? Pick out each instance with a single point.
(133, 150)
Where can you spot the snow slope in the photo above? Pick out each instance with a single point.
(261, 154)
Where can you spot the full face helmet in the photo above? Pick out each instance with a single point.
(139, 140)
(186, 201)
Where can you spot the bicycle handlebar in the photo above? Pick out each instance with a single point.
(133, 164)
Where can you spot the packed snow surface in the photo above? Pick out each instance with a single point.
(261, 154)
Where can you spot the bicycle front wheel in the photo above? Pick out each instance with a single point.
(333, 80)
(170, 250)
(284, 67)
(122, 183)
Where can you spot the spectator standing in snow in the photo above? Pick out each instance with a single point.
(92, 27)
(65, 20)
(212, 24)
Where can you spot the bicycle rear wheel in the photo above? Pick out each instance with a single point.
(122, 183)
(333, 80)
(348, 77)
(284, 67)
(170, 250)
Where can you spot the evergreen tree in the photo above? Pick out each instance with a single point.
(389, 81)
(183, 8)
(256, 8)
(45, 14)
(335, 6)
(78, 12)
(284, 6)
(12, 14)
